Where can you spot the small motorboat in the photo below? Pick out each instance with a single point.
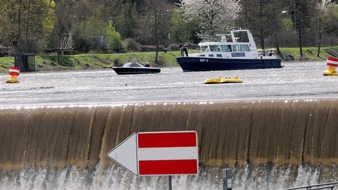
(221, 80)
(136, 68)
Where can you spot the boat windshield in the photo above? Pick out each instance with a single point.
(241, 36)
(226, 48)
(241, 48)
(214, 48)
(132, 64)
(204, 48)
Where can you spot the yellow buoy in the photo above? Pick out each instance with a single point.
(221, 80)
(231, 80)
(213, 80)
(331, 71)
(12, 79)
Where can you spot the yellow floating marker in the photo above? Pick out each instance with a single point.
(13, 72)
(332, 63)
(231, 80)
(213, 80)
(221, 80)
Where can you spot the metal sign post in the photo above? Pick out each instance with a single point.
(170, 185)
(227, 178)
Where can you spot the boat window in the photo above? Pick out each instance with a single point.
(240, 48)
(244, 47)
(211, 55)
(135, 65)
(214, 48)
(235, 48)
(219, 55)
(202, 55)
(241, 36)
(204, 48)
(226, 48)
(229, 39)
(132, 64)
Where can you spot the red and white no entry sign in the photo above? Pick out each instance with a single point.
(332, 61)
(167, 153)
(15, 71)
(159, 153)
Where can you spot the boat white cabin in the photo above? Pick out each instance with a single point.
(240, 44)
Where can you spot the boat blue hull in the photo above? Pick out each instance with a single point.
(211, 64)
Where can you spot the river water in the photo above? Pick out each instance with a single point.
(277, 129)
(294, 81)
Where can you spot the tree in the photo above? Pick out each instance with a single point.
(126, 21)
(88, 34)
(27, 22)
(180, 31)
(213, 16)
(330, 26)
(276, 24)
(112, 39)
(301, 14)
(323, 8)
(38, 24)
(154, 24)
(263, 18)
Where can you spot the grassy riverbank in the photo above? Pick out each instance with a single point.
(98, 61)
(93, 61)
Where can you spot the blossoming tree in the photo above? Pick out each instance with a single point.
(213, 16)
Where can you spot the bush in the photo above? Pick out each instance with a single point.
(192, 46)
(175, 47)
(161, 62)
(131, 45)
(112, 39)
(151, 48)
(116, 62)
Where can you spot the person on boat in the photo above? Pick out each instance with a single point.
(270, 53)
(185, 50)
(181, 48)
(146, 64)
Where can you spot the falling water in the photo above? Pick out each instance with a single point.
(268, 144)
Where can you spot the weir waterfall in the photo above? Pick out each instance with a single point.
(269, 144)
(277, 129)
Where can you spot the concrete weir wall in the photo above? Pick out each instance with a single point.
(274, 133)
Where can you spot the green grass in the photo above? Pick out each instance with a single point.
(93, 61)
(98, 61)
(309, 53)
(5, 62)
